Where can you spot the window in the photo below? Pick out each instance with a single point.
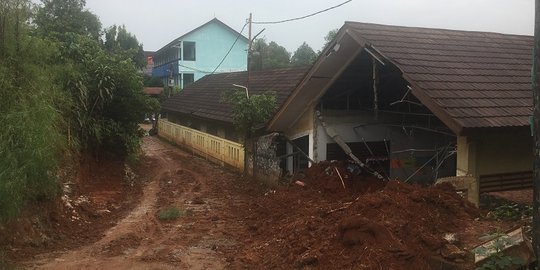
(189, 51)
(188, 79)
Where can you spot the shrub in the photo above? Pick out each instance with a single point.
(170, 213)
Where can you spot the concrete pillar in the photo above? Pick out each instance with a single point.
(311, 147)
(290, 158)
(467, 167)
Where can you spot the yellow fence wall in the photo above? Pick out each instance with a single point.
(209, 146)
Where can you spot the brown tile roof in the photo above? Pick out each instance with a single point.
(474, 79)
(203, 97)
(153, 90)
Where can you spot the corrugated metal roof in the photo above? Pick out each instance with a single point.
(203, 98)
(478, 79)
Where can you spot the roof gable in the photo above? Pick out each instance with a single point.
(467, 79)
(213, 21)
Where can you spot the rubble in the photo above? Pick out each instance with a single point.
(372, 224)
(512, 243)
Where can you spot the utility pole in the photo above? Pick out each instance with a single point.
(249, 48)
(536, 132)
(252, 140)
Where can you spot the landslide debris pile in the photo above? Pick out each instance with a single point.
(371, 224)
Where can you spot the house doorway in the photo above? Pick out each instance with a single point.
(300, 162)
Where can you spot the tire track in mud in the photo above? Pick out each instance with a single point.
(142, 241)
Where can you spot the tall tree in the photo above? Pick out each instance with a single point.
(101, 79)
(303, 56)
(268, 56)
(119, 41)
(276, 56)
(58, 17)
(30, 137)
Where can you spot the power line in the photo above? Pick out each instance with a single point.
(195, 69)
(306, 16)
(230, 49)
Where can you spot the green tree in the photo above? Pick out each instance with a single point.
(303, 56)
(268, 56)
(119, 41)
(276, 56)
(250, 114)
(58, 17)
(150, 81)
(107, 97)
(330, 36)
(31, 142)
(56, 79)
(102, 82)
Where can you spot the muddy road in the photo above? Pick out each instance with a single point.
(203, 237)
(227, 222)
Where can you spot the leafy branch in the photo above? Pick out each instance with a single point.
(250, 114)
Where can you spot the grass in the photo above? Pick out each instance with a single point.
(171, 213)
(511, 211)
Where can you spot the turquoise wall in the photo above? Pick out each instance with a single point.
(212, 42)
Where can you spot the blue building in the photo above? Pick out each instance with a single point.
(200, 52)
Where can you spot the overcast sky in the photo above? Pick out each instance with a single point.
(157, 22)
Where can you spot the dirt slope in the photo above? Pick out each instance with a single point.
(230, 223)
(142, 241)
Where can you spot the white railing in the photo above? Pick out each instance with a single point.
(206, 145)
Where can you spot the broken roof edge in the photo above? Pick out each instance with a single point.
(362, 43)
(447, 119)
(272, 123)
(418, 91)
(300, 100)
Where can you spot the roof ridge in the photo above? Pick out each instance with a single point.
(199, 27)
(352, 23)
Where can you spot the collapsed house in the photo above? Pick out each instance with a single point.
(413, 104)
(418, 104)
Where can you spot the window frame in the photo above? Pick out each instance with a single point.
(187, 49)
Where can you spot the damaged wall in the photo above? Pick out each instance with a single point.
(304, 127)
(266, 163)
(359, 126)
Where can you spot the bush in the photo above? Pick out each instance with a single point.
(512, 211)
(170, 213)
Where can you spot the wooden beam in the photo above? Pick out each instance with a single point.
(375, 85)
